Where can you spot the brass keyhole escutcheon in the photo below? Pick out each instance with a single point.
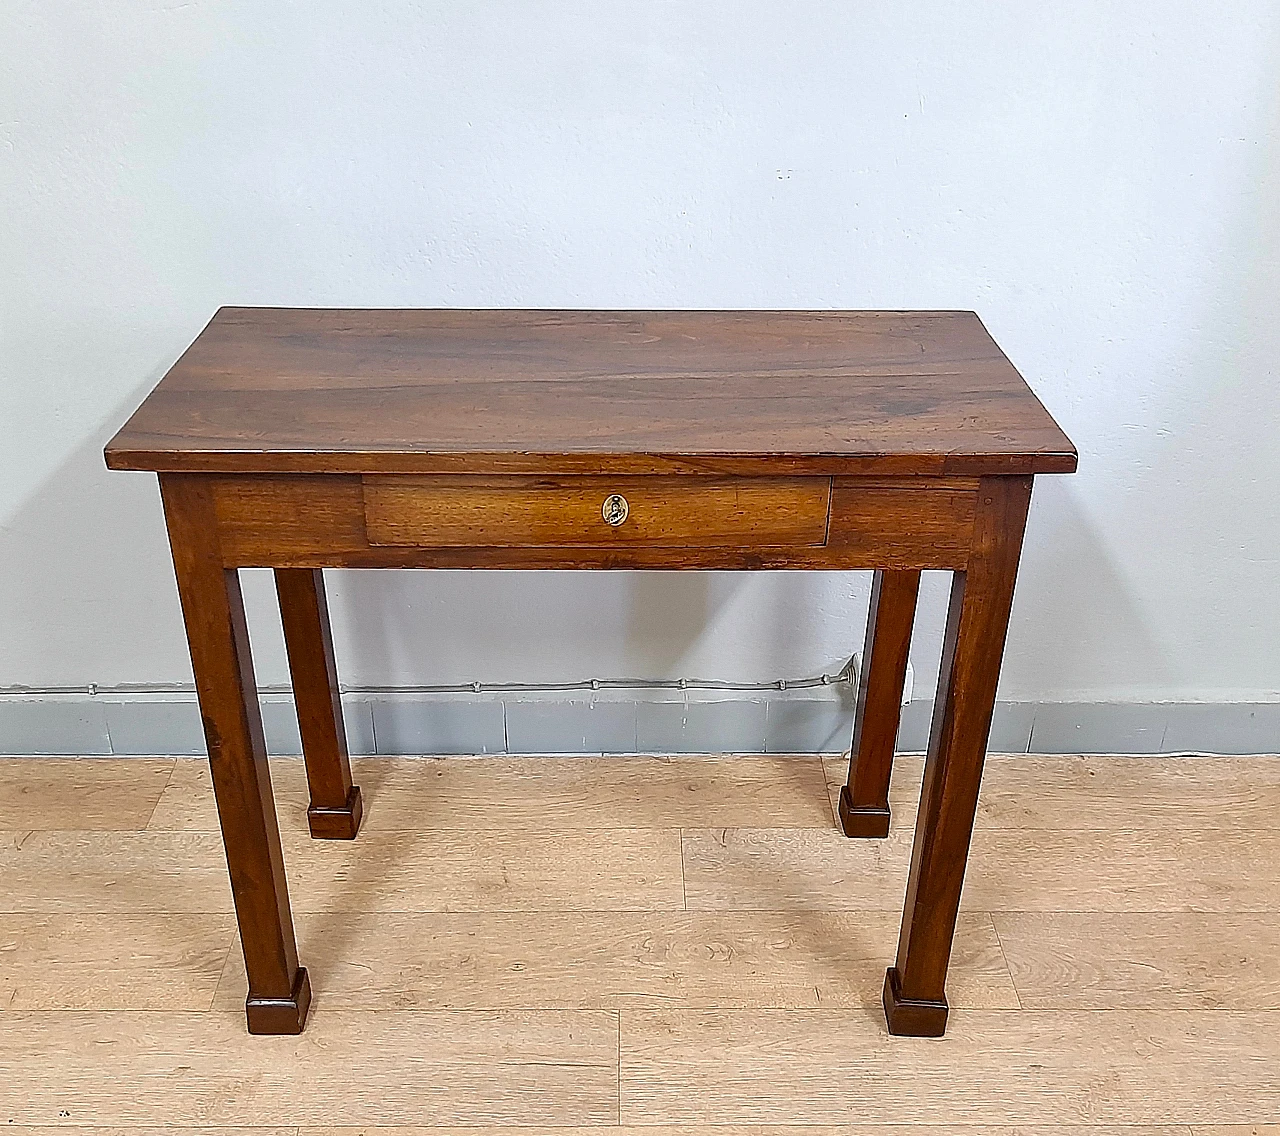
(615, 509)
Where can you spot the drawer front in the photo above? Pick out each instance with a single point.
(661, 512)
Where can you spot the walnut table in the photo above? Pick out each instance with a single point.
(307, 439)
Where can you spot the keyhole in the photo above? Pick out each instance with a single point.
(614, 510)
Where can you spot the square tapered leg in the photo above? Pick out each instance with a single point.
(336, 806)
(977, 622)
(864, 799)
(279, 993)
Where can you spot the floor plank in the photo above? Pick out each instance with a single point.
(153, 1130)
(112, 962)
(994, 1066)
(1073, 792)
(80, 792)
(627, 870)
(1184, 960)
(504, 793)
(549, 1067)
(608, 960)
(1069, 792)
(769, 869)
(1009, 870)
(1235, 1130)
(774, 1130)
(1158, 869)
(100, 872)
(187, 803)
(666, 1130)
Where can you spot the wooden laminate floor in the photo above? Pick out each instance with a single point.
(636, 945)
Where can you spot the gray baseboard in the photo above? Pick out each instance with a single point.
(1116, 727)
(808, 721)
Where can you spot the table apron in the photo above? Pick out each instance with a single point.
(321, 521)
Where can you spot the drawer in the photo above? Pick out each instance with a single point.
(671, 512)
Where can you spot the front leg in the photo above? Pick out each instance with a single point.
(279, 991)
(977, 620)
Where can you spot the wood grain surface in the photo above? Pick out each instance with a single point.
(666, 512)
(1087, 999)
(798, 1130)
(863, 805)
(478, 1067)
(221, 659)
(334, 804)
(1101, 793)
(1099, 960)
(277, 520)
(1028, 1067)
(583, 959)
(71, 792)
(420, 794)
(153, 961)
(1140, 869)
(454, 391)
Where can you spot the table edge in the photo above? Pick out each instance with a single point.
(249, 462)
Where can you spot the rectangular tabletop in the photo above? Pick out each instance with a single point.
(294, 390)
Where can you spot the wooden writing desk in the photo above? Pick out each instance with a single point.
(305, 439)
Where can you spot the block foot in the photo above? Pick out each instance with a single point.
(281, 1015)
(340, 823)
(862, 820)
(908, 1017)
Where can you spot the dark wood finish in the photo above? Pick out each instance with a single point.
(588, 392)
(864, 800)
(319, 521)
(665, 512)
(279, 992)
(977, 622)
(336, 806)
(299, 440)
(918, 523)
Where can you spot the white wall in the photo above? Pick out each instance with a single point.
(1101, 181)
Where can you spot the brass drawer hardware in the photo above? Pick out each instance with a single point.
(615, 509)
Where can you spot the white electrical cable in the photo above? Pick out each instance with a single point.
(844, 676)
